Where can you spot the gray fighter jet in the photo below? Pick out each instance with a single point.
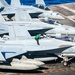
(20, 43)
(49, 13)
(30, 9)
(57, 30)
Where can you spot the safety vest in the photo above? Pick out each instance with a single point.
(37, 37)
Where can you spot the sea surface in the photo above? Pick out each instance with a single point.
(48, 2)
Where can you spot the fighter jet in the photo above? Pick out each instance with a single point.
(34, 12)
(21, 43)
(33, 25)
(48, 13)
(45, 47)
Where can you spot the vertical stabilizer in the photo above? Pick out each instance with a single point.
(15, 3)
(3, 3)
(40, 2)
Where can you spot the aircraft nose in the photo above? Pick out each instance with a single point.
(60, 17)
(71, 31)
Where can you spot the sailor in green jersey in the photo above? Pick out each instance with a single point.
(37, 38)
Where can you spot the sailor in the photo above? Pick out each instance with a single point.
(37, 37)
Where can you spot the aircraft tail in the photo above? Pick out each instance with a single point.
(18, 32)
(15, 3)
(40, 2)
(22, 15)
(3, 3)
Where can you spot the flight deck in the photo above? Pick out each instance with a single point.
(67, 11)
(55, 67)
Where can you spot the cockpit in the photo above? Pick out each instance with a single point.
(41, 7)
(50, 21)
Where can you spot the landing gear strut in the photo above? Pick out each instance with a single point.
(66, 61)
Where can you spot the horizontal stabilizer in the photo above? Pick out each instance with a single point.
(18, 32)
(22, 15)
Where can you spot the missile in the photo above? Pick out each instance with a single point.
(16, 64)
(31, 61)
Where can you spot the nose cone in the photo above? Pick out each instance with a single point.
(72, 31)
(59, 17)
(69, 30)
(56, 15)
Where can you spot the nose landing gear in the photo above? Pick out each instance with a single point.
(66, 61)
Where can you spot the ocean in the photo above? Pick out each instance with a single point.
(48, 2)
